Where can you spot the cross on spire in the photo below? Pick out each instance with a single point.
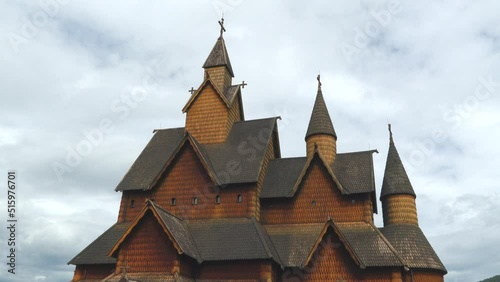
(243, 84)
(221, 23)
(192, 90)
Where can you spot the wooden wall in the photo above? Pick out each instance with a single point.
(326, 144)
(423, 276)
(260, 270)
(399, 209)
(187, 179)
(92, 271)
(319, 188)
(129, 212)
(148, 249)
(220, 76)
(209, 119)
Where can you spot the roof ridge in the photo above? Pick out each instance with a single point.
(259, 119)
(260, 232)
(391, 247)
(99, 237)
(359, 152)
(155, 205)
(290, 158)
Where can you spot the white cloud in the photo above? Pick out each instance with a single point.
(424, 63)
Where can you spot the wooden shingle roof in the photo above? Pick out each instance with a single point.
(97, 251)
(353, 170)
(412, 245)
(166, 142)
(396, 180)
(219, 57)
(151, 160)
(320, 122)
(368, 245)
(294, 242)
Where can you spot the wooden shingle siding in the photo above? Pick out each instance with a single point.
(251, 270)
(331, 262)
(148, 249)
(127, 212)
(423, 276)
(326, 144)
(328, 202)
(92, 271)
(220, 76)
(187, 179)
(270, 153)
(399, 209)
(234, 113)
(207, 117)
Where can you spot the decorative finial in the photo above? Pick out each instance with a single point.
(390, 132)
(192, 90)
(221, 23)
(319, 82)
(243, 84)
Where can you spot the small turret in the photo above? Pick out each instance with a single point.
(320, 132)
(218, 66)
(397, 195)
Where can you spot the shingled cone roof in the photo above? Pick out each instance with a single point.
(219, 56)
(320, 122)
(396, 180)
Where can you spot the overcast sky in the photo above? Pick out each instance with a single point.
(75, 112)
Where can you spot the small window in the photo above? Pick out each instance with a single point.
(195, 200)
(239, 199)
(217, 199)
(132, 204)
(173, 202)
(313, 203)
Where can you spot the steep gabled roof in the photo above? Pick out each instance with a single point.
(367, 245)
(219, 57)
(174, 227)
(97, 251)
(354, 171)
(412, 245)
(317, 156)
(296, 243)
(231, 239)
(396, 180)
(281, 177)
(238, 150)
(245, 148)
(151, 160)
(320, 122)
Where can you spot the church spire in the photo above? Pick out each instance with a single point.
(396, 180)
(397, 195)
(320, 132)
(218, 59)
(320, 122)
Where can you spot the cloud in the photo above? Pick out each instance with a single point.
(419, 67)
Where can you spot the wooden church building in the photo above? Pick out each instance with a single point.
(216, 201)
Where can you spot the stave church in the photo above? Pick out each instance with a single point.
(216, 201)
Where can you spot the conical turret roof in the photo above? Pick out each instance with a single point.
(320, 122)
(396, 180)
(219, 57)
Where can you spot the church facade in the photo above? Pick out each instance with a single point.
(216, 201)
